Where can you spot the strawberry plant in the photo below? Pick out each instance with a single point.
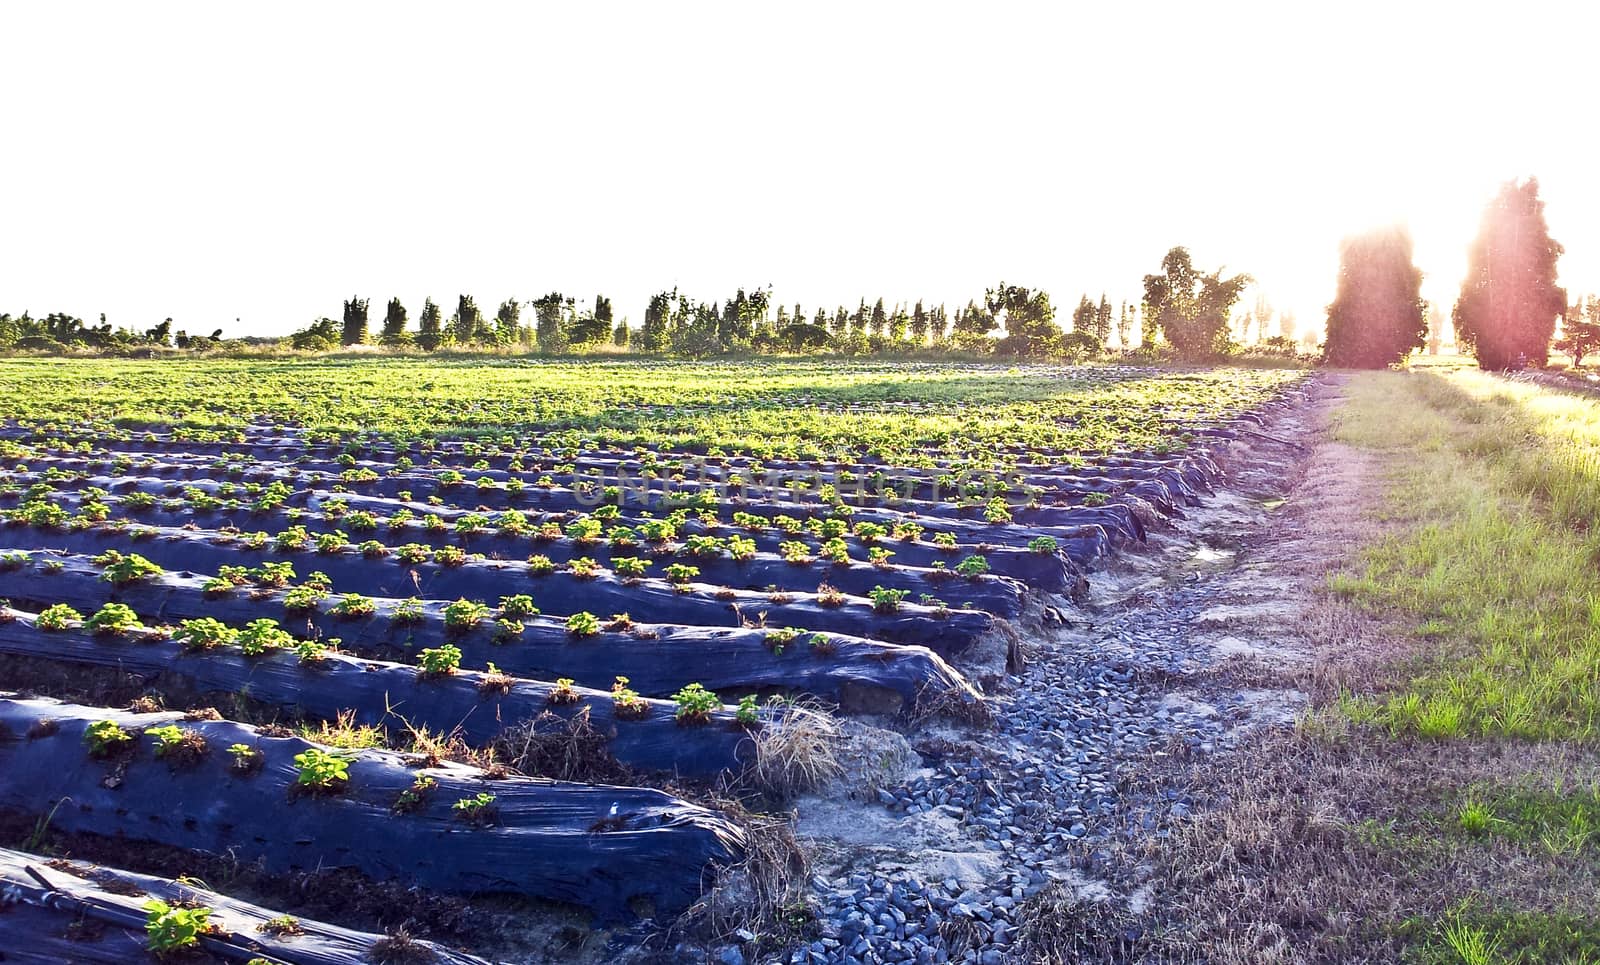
(464, 614)
(627, 704)
(508, 631)
(414, 797)
(353, 606)
(822, 644)
(583, 624)
(741, 548)
(540, 565)
(413, 553)
(304, 598)
(477, 810)
(322, 771)
(261, 635)
(681, 573)
(583, 568)
(440, 661)
(778, 639)
(629, 566)
(563, 692)
(58, 617)
(121, 570)
(170, 929)
(695, 704)
(972, 567)
(293, 539)
(518, 607)
(450, 556)
(205, 633)
(748, 714)
(105, 738)
(1043, 544)
(244, 759)
(408, 611)
(886, 600)
(113, 619)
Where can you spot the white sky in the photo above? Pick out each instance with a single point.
(213, 161)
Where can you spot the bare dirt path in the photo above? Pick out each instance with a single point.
(1220, 627)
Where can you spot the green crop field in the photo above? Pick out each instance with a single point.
(800, 409)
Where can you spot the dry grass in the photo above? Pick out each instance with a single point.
(766, 894)
(561, 749)
(796, 749)
(1402, 832)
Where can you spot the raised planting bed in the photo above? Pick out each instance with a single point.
(947, 631)
(54, 911)
(594, 846)
(658, 659)
(476, 707)
(1053, 572)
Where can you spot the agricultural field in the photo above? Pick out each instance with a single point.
(541, 660)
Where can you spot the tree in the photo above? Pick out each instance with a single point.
(653, 334)
(1192, 309)
(878, 319)
(1509, 300)
(508, 322)
(550, 328)
(621, 334)
(394, 324)
(320, 336)
(1377, 317)
(354, 330)
(1102, 321)
(1580, 330)
(972, 327)
(1436, 323)
(1083, 317)
(1031, 330)
(429, 333)
(466, 323)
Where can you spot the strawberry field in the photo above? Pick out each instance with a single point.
(526, 630)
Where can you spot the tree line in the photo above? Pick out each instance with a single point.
(1506, 315)
(1184, 307)
(61, 331)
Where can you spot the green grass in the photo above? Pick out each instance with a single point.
(1493, 539)
(1479, 936)
(1557, 819)
(1496, 561)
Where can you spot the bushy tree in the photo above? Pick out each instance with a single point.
(354, 330)
(550, 323)
(1192, 308)
(1509, 300)
(1580, 330)
(1378, 316)
(394, 324)
(320, 336)
(1083, 317)
(508, 322)
(654, 335)
(466, 325)
(1030, 319)
(430, 330)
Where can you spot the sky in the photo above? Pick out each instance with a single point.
(249, 166)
